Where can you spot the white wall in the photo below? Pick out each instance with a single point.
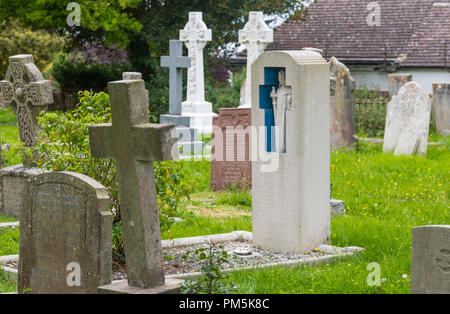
(378, 80)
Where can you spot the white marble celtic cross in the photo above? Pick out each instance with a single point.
(195, 35)
(256, 35)
(27, 93)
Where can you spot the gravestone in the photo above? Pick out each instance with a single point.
(187, 137)
(408, 121)
(441, 108)
(255, 36)
(291, 186)
(28, 94)
(430, 260)
(195, 35)
(342, 105)
(65, 235)
(230, 155)
(135, 144)
(397, 81)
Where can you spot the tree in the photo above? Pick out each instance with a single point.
(144, 27)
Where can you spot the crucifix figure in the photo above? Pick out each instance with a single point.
(256, 35)
(195, 35)
(27, 93)
(282, 101)
(135, 144)
(176, 63)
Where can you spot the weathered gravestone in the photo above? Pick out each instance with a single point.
(256, 35)
(342, 105)
(187, 137)
(291, 173)
(430, 260)
(195, 35)
(397, 81)
(408, 121)
(65, 235)
(27, 93)
(441, 108)
(135, 144)
(230, 155)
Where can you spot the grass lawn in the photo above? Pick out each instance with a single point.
(385, 197)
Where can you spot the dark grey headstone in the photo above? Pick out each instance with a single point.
(430, 260)
(65, 219)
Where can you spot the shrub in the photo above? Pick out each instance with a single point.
(16, 39)
(64, 146)
(90, 68)
(370, 112)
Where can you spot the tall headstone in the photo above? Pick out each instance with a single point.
(397, 81)
(230, 155)
(441, 108)
(291, 181)
(187, 137)
(195, 35)
(430, 260)
(135, 144)
(65, 235)
(255, 36)
(342, 105)
(408, 121)
(28, 94)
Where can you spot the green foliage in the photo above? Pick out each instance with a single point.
(79, 75)
(224, 95)
(15, 39)
(107, 20)
(211, 279)
(370, 113)
(64, 146)
(9, 242)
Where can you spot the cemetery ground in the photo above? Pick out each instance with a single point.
(385, 197)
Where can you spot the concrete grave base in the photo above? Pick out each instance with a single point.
(13, 181)
(172, 286)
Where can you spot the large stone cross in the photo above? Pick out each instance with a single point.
(256, 35)
(135, 144)
(195, 35)
(176, 63)
(27, 93)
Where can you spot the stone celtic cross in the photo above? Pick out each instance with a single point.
(195, 35)
(176, 63)
(256, 35)
(135, 144)
(27, 93)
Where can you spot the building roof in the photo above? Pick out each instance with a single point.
(413, 33)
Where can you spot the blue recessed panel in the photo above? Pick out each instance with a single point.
(265, 101)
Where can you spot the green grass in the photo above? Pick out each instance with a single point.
(8, 219)
(9, 242)
(7, 117)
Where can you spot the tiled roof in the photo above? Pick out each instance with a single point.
(415, 28)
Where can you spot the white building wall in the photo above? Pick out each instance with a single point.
(378, 80)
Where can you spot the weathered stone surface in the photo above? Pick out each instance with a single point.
(408, 121)
(195, 35)
(337, 207)
(441, 106)
(291, 190)
(230, 162)
(255, 36)
(13, 182)
(342, 105)
(135, 144)
(430, 260)
(27, 93)
(397, 81)
(65, 219)
(171, 286)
